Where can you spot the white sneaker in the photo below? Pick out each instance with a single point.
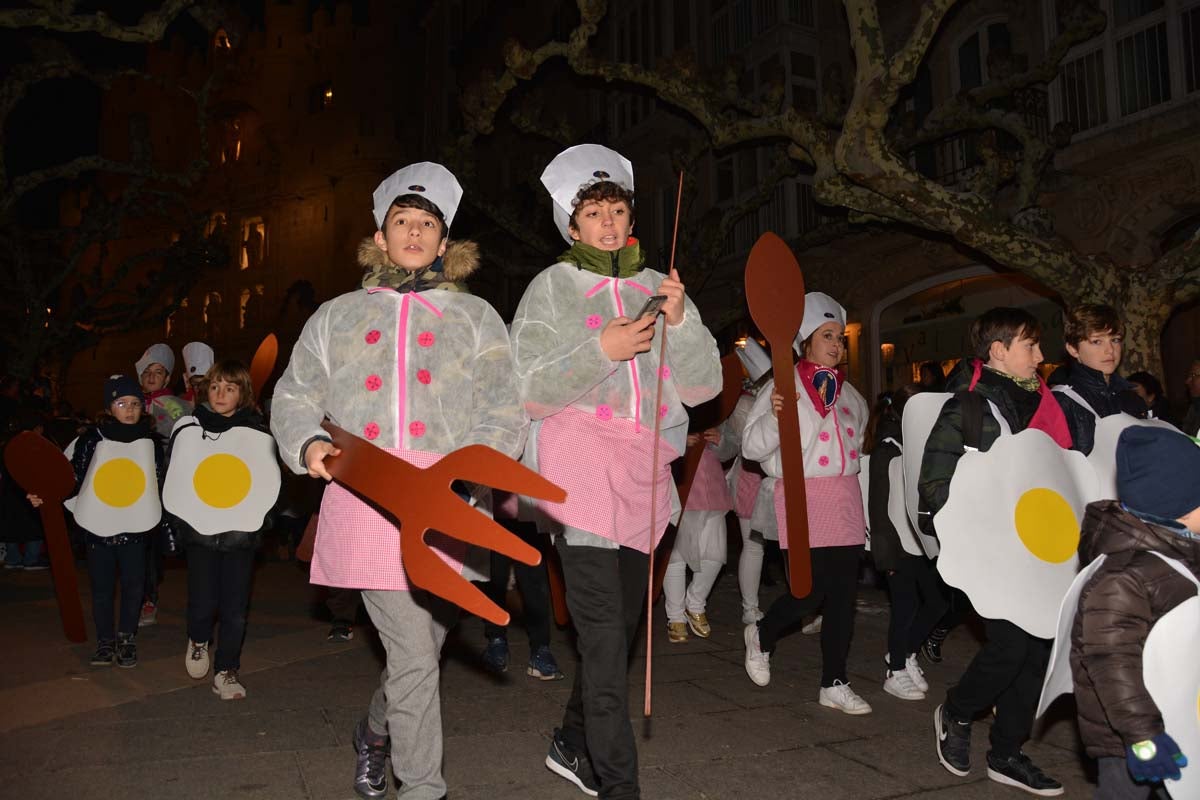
(751, 615)
(225, 683)
(843, 698)
(196, 659)
(812, 627)
(758, 663)
(900, 684)
(916, 673)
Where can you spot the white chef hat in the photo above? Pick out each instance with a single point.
(197, 358)
(577, 167)
(432, 181)
(157, 354)
(819, 308)
(754, 359)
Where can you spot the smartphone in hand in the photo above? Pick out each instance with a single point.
(653, 306)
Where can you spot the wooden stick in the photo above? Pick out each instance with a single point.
(662, 360)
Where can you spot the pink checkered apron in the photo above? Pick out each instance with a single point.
(747, 491)
(604, 466)
(835, 512)
(359, 548)
(709, 492)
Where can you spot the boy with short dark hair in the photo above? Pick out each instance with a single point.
(420, 368)
(1158, 515)
(1089, 388)
(1007, 672)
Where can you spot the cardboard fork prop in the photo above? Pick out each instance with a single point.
(710, 415)
(40, 468)
(419, 500)
(658, 387)
(775, 294)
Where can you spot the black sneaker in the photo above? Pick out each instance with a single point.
(953, 740)
(931, 648)
(126, 650)
(106, 653)
(1020, 772)
(340, 632)
(564, 761)
(370, 770)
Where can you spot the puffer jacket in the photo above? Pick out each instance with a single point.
(213, 422)
(944, 447)
(1117, 609)
(1114, 396)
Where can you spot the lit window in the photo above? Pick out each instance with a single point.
(254, 243)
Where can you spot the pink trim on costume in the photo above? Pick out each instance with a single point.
(428, 305)
(401, 368)
(637, 389)
(375, 289)
(597, 287)
(639, 287)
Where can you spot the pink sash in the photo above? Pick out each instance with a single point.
(747, 491)
(604, 465)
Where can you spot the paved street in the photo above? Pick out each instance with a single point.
(69, 730)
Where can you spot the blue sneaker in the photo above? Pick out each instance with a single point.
(495, 655)
(543, 666)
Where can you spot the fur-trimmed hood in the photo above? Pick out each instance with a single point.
(459, 262)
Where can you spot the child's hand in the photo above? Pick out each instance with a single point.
(34, 500)
(314, 458)
(776, 403)
(672, 287)
(623, 338)
(712, 436)
(692, 439)
(1155, 759)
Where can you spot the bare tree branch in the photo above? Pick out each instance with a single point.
(62, 18)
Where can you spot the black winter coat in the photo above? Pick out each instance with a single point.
(1117, 609)
(886, 549)
(213, 422)
(1114, 396)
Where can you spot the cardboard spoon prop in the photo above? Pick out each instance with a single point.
(775, 293)
(264, 363)
(418, 500)
(40, 468)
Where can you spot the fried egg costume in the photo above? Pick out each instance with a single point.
(119, 493)
(221, 482)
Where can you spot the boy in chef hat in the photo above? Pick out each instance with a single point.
(198, 357)
(588, 375)
(417, 366)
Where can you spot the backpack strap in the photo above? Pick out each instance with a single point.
(971, 404)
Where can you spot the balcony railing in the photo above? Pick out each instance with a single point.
(956, 157)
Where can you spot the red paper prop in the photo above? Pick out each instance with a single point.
(421, 499)
(40, 468)
(775, 293)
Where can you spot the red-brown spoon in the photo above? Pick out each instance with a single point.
(40, 468)
(775, 293)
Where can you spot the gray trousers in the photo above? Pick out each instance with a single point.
(407, 706)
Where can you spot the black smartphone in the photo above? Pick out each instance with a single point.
(653, 305)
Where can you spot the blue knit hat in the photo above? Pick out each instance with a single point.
(121, 386)
(1158, 471)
